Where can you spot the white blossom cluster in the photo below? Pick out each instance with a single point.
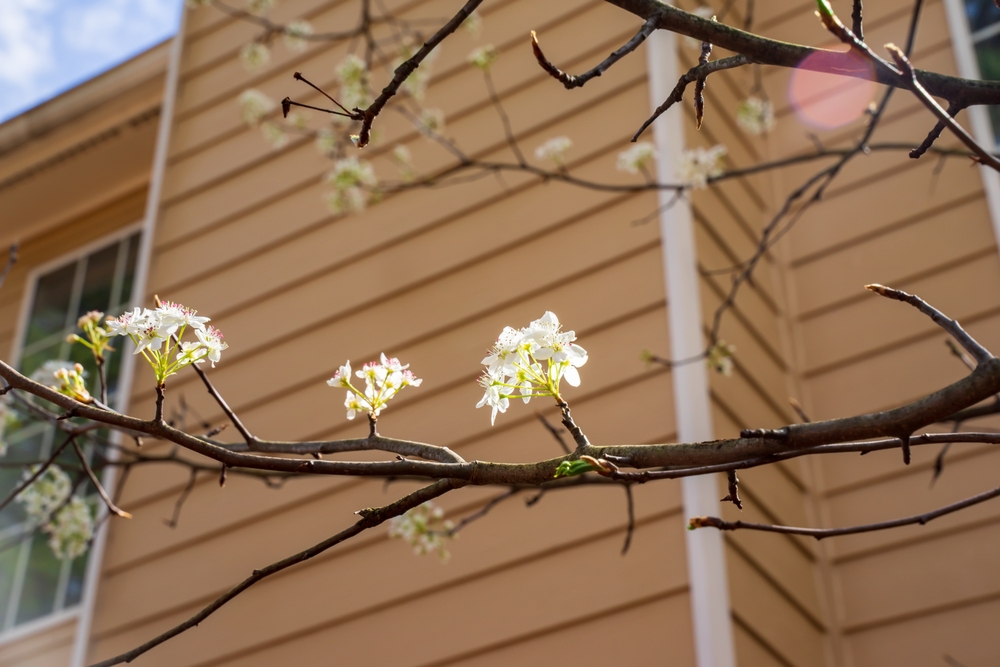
(637, 158)
(755, 115)
(70, 382)
(255, 55)
(255, 106)
(158, 335)
(554, 149)
(514, 367)
(720, 358)
(295, 35)
(353, 75)
(431, 121)
(71, 529)
(68, 521)
(697, 165)
(45, 494)
(474, 22)
(349, 178)
(424, 528)
(483, 57)
(383, 380)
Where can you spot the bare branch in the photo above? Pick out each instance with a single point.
(370, 518)
(570, 81)
(114, 509)
(821, 533)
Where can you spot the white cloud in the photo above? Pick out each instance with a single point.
(25, 41)
(111, 27)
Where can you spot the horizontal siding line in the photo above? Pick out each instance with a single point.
(408, 288)
(311, 96)
(804, 8)
(720, 241)
(917, 539)
(965, 451)
(766, 645)
(913, 339)
(266, 73)
(920, 613)
(557, 627)
(891, 228)
(900, 282)
(778, 586)
(743, 319)
(752, 235)
(332, 219)
(388, 604)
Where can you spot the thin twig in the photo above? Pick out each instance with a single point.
(97, 483)
(630, 528)
(570, 81)
(181, 499)
(38, 473)
(556, 433)
(369, 519)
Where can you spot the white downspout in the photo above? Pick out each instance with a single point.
(81, 641)
(713, 632)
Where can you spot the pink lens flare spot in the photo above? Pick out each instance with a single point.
(824, 100)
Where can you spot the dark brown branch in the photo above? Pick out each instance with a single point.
(978, 352)
(630, 528)
(734, 489)
(821, 533)
(857, 20)
(225, 406)
(181, 499)
(370, 518)
(482, 511)
(694, 74)
(985, 157)
(407, 68)
(700, 84)
(570, 81)
(114, 509)
(38, 473)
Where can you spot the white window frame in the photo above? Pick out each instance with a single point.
(979, 117)
(68, 614)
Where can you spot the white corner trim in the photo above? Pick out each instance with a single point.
(81, 641)
(979, 117)
(713, 631)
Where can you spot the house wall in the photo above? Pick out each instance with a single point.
(913, 595)
(430, 276)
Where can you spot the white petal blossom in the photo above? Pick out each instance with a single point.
(483, 57)
(721, 357)
(530, 362)
(431, 121)
(260, 6)
(295, 35)
(383, 380)
(255, 106)
(637, 158)
(755, 115)
(350, 177)
(697, 165)
(353, 75)
(71, 530)
(255, 55)
(554, 149)
(424, 528)
(49, 490)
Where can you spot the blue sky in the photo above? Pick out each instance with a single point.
(48, 46)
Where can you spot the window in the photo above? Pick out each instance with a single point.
(33, 582)
(984, 25)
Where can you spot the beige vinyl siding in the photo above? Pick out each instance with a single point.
(431, 276)
(47, 648)
(911, 595)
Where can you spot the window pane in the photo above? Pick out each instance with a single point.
(41, 579)
(8, 563)
(33, 361)
(52, 295)
(126, 289)
(981, 13)
(74, 588)
(96, 294)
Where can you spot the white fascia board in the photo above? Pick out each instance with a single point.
(711, 618)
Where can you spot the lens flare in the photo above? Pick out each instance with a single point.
(827, 101)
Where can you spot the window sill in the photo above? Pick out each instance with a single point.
(39, 625)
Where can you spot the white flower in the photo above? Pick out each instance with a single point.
(697, 165)
(383, 380)
(326, 141)
(755, 116)
(349, 177)
(295, 34)
(260, 6)
(211, 340)
(514, 367)
(353, 75)
(71, 530)
(423, 528)
(45, 494)
(554, 149)
(431, 121)
(720, 358)
(473, 22)
(274, 135)
(254, 106)
(255, 55)
(483, 57)
(174, 315)
(637, 158)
